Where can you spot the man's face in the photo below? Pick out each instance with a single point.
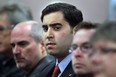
(4, 34)
(81, 47)
(104, 58)
(58, 34)
(25, 49)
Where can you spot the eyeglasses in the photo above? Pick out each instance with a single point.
(85, 47)
(102, 51)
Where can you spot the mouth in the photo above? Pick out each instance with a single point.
(97, 69)
(19, 59)
(50, 45)
(78, 65)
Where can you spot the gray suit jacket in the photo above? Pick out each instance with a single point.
(44, 68)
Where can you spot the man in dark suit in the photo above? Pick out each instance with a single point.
(58, 20)
(28, 50)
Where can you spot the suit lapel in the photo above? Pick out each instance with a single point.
(68, 72)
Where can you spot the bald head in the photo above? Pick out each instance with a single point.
(31, 28)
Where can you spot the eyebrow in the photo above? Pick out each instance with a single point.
(52, 24)
(86, 42)
(109, 49)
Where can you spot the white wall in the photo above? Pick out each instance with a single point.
(93, 10)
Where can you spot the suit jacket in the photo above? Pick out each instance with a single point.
(44, 68)
(8, 67)
(68, 72)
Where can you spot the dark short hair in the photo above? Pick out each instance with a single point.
(85, 25)
(16, 13)
(106, 30)
(71, 14)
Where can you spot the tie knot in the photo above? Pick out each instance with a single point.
(57, 68)
(56, 71)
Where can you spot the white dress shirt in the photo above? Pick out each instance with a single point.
(63, 64)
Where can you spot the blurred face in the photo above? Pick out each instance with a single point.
(81, 47)
(25, 49)
(4, 34)
(58, 34)
(104, 58)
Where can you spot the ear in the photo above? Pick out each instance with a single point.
(42, 48)
(74, 30)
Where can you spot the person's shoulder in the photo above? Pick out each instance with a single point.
(44, 67)
(48, 59)
(9, 69)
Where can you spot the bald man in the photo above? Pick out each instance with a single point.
(28, 50)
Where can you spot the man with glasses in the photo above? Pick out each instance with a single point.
(103, 56)
(80, 47)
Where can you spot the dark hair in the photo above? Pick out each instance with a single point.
(71, 14)
(16, 13)
(106, 30)
(84, 25)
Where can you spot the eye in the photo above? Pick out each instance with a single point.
(45, 28)
(107, 50)
(2, 28)
(13, 45)
(23, 43)
(57, 27)
(87, 45)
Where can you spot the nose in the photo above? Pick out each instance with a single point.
(49, 33)
(95, 59)
(78, 53)
(16, 50)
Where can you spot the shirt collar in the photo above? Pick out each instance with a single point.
(63, 64)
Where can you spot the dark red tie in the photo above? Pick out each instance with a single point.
(56, 71)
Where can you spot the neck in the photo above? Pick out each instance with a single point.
(28, 70)
(60, 58)
(85, 75)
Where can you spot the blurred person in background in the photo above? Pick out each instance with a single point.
(80, 47)
(103, 56)
(10, 15)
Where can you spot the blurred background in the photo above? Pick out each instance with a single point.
(112, 10)
(93, 10)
